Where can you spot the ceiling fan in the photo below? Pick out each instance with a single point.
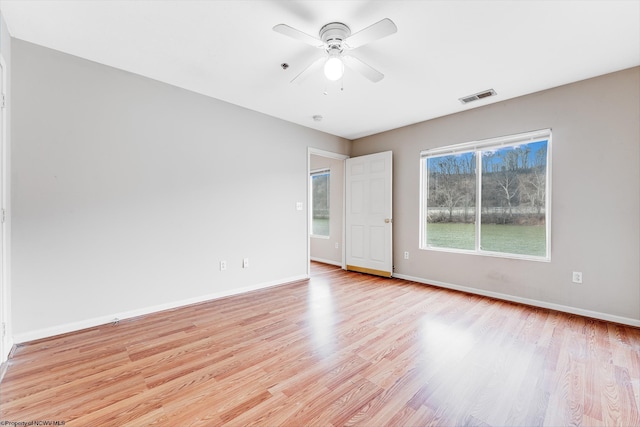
(335, 39)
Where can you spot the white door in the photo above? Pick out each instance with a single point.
(368, 222)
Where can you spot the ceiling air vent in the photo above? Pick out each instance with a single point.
(476, 96)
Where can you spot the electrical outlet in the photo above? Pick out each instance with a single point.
(406, 254)
(223, 265)
(577, 277)
(245, 263)
(337, 245)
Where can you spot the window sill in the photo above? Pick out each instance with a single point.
(489, 254)
(316, 236)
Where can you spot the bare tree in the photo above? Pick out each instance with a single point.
(508, 182)
(533, 187)
(534, 183)
(452, 183)
(500, 185)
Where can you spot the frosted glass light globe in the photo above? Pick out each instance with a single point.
(333, 68)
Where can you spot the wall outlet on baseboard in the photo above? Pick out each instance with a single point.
(406, 254)
(577, 277)
(223, 265)
(245, 263)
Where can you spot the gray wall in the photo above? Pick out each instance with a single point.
(595, 219)
(127, 193)
(325, 250)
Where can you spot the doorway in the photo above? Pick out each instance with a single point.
(325, 231)
(361, 213)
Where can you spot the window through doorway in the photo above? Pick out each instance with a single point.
(320, 203)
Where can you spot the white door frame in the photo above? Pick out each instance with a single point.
(6, 341)
(331, 155)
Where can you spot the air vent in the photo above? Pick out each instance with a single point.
(476, 96)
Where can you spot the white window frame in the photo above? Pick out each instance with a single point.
(478, 147)
(311, 174)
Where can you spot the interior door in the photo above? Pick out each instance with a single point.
(368, 221)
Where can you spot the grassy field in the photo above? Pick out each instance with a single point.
(514, 239)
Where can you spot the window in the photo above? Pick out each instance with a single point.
(320, 203)
(489, 197)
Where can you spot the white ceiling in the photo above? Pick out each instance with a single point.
(443, 50)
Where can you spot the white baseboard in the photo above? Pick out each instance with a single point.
(102, 320)
(8, 346)
(326, 261)
(527, 301)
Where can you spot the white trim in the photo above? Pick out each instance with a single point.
(465, 147)
(548, 190)
(478, 147)
(319, 236)
(320, 171)
(343, 250)
(486, 253)
(326, 261)
(330, 154)
(527, 301)
(106, 319)
(5, 291)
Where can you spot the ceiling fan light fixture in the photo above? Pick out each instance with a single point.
(336, 37)
(334, 68)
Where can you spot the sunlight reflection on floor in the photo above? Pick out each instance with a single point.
(321, 317)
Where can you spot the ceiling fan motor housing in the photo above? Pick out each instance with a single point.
(333, 34)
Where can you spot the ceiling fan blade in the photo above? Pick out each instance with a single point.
(316, 64)
(366, 70)
(298, 35)
(376, 31)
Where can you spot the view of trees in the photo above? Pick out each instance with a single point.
(320, 203)
(513, 187)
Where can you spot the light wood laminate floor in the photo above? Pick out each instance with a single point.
(340, 349)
